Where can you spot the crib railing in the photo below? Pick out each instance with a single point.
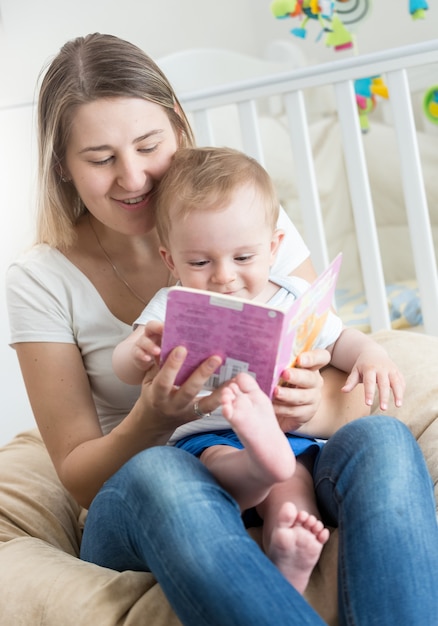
(290, 86)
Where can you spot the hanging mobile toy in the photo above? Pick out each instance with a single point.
(417, 9)
(323, 11)
(430, 104)
(366, 90)
(334, 17)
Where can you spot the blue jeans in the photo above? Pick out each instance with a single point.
(164, 512)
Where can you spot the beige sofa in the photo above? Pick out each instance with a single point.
(43, 582)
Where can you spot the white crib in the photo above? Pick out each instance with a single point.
(253, 88)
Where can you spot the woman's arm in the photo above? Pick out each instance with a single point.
(313, 402)
(336, 408)
(297, 408)
(305, 270)
(61, 399)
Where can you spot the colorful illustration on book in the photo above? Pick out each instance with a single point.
(248, 336)
(310, 318)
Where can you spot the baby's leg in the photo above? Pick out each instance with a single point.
(292, 538)
(266, 459)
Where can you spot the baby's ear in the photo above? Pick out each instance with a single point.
(168, 260)
(277, 238)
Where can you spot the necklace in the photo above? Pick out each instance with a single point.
(113, 265)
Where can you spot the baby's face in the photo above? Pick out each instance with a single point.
(228, 250)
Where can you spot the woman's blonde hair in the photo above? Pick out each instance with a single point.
(87, 69)
(205, 179)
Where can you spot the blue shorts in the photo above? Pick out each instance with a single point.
(196, 444)
(305, 447)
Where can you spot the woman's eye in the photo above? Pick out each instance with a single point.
(148, 150)
(103, 161)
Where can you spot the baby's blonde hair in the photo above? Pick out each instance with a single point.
(205, 179)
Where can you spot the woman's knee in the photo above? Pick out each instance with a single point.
(377, 444)
(375, 434)
(164, 477)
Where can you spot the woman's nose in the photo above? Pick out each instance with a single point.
(131, 174)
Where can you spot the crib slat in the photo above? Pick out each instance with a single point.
(306, 179)
(415, 198)
(249, 128)
(360, 193)
(203, 127)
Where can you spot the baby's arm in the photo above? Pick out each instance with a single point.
(136, 354)
(370, 364)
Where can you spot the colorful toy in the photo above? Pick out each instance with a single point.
(333, 16)
(366, 90)
(417, 9)
(323, 11)
(430, 104)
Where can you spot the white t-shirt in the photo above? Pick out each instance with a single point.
(50, 300)
(290, 288)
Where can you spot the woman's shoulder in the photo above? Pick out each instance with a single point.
(38, 254)
(42, 260)
(42, 274)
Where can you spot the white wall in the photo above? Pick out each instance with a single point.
(17, 156)
(31, 32)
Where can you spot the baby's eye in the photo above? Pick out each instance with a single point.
(242, 258)
(198, 263)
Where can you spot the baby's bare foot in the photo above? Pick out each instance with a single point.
(252, 417)
(296, 543)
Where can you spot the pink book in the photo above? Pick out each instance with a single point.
(249, 336)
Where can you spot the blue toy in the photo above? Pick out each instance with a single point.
(417, 9)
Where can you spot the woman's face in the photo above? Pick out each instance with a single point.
(117, 151)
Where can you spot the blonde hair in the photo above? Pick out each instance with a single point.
(87, 69)
(205, 179)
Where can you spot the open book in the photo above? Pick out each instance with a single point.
(249, 336)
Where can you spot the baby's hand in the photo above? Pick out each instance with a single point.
(375, 368)
(146, 348)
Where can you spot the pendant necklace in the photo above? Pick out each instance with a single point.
(115, 269)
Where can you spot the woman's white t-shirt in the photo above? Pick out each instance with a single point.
(50, 300)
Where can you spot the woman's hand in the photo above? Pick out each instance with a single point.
(297, 402)
(167, 406)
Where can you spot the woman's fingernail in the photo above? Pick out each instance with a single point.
(179, 353)
(213, 363)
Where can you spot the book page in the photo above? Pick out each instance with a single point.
(244, 334)
(306, 318)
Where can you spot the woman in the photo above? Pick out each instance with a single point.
(109, 124)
